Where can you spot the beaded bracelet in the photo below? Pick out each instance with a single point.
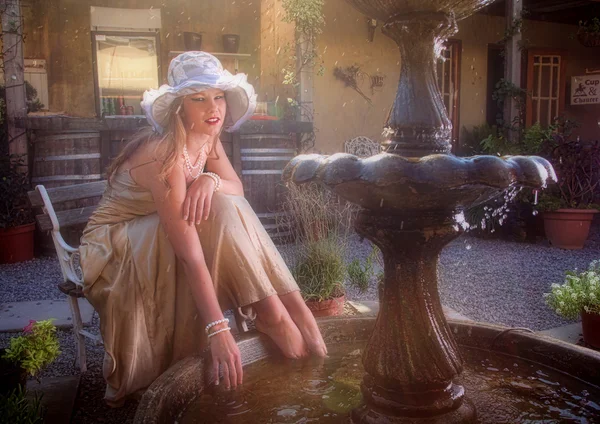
(215, 178)
(218, 331)
(217, 322)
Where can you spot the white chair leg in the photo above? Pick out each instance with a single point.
(79, 338)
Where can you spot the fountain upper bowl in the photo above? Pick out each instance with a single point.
(385, 9)
(393, 184)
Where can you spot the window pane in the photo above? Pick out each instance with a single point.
(543, 117)
(536, 81)
(127, 66)
(555, 80)
(545, 92)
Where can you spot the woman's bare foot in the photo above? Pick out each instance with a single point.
(305, 321)
(273, 320)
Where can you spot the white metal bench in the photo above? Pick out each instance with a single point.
(68, 256)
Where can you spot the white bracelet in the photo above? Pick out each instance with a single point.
(219, 331)
(217, 322)
(215, 178)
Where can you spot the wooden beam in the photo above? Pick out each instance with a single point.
(66, 218)
(512, 72)
(67, 193)
(12, 51)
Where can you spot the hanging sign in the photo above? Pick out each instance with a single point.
(585, 90)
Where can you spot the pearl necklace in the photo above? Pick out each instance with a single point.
(199, 163)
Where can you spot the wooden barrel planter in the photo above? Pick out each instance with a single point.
(263, 158)
(65, 158)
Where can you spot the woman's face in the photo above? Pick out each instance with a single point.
(204, 112)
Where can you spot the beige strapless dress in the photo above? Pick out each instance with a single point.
(148, 318)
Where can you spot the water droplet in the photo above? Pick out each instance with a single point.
(468, 247)
(534, 213)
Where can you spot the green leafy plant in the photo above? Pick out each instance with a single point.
(577, 166)
(320, 271)
(590, 27)
(35, 349)
(17, 408)
(580, 291)
(320, 223)
(359, 275)
(308, 17)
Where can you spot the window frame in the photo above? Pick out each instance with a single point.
(93, 34)
(529, 121)
(455, 46)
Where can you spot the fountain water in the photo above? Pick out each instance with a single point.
(410, 197)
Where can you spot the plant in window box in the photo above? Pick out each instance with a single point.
(568, 206)
(589, 32)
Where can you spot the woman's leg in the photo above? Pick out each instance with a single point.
(273, 319)
(305, 321)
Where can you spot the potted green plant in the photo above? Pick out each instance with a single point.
(589, 32)
(28, 354)
(568, 206)
(17, 224)
(580, 295)
(320, 224)
(320, 274)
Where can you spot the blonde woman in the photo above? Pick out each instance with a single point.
(173, 242)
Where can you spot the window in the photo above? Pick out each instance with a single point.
(546, 84)
(126, 66)
(448, 75)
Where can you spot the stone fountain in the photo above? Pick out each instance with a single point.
(412, 197)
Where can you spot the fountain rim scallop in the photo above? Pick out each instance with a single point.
(177, 388)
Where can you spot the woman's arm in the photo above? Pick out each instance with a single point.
(220, 165)
(187, 247)
(199, 194)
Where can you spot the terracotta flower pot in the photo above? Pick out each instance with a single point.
(568, 228)
(326, 308)
(16, 244)
(590, 324)
(10, 375)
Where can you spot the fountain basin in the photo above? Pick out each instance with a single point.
(167, 399)
(391, 183)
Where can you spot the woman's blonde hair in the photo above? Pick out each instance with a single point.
(169, 145)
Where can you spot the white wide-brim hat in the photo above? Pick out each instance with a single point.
(192, 72)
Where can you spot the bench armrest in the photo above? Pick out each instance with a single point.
(68, 256)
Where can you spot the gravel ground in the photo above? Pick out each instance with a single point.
(486, 280)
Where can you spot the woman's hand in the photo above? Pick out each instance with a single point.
(196, 205)
(225, 352)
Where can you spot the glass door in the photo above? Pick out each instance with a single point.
(126, 66)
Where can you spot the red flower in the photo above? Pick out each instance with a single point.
(29, 327)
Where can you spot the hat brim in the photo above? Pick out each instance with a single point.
(239, 95)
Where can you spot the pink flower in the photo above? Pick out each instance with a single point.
(29, 327)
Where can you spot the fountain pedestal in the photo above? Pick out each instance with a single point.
(423, 127)
(411, 358)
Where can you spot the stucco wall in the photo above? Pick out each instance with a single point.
(341, 113)
(59, 32)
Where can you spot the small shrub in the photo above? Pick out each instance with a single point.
(36, 349)
(320, 271)
(17, 408)
(579, 291)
